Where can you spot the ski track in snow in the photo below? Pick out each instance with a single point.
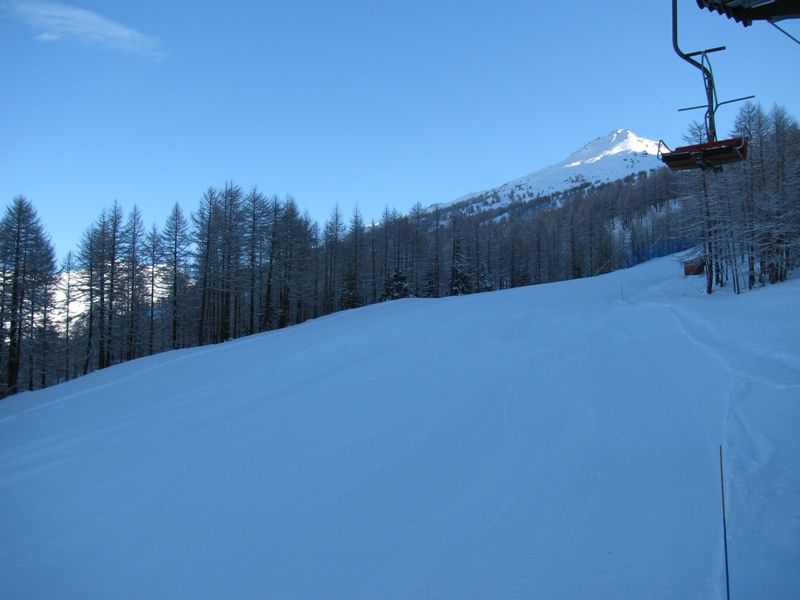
(759, 489)
(544, 442)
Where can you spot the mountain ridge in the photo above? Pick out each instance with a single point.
(607, 158)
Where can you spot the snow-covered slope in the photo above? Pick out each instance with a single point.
(608, 158)
(557, 441)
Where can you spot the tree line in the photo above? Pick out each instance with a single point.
(243, 262)
(745, 220)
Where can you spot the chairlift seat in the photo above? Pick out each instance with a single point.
(710, 155)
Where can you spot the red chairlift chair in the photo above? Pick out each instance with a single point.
(711, 155)
(714, 153)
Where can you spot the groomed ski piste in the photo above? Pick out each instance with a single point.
(552, 442)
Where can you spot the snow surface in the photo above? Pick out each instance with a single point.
(608, 158)
(556, 441)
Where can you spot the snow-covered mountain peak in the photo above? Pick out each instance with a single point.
(615, 142)
(608, 158)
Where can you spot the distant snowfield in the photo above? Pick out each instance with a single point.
(557, 441)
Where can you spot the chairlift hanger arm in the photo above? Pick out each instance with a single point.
(708, 76)
(687, 56)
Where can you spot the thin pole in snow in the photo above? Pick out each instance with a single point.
(724, 525)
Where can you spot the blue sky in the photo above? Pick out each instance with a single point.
(350, 102)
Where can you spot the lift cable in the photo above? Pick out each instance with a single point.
(784, 32)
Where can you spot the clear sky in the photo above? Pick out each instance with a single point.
(352, 102)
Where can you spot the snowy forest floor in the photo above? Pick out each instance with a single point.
(555, 441)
